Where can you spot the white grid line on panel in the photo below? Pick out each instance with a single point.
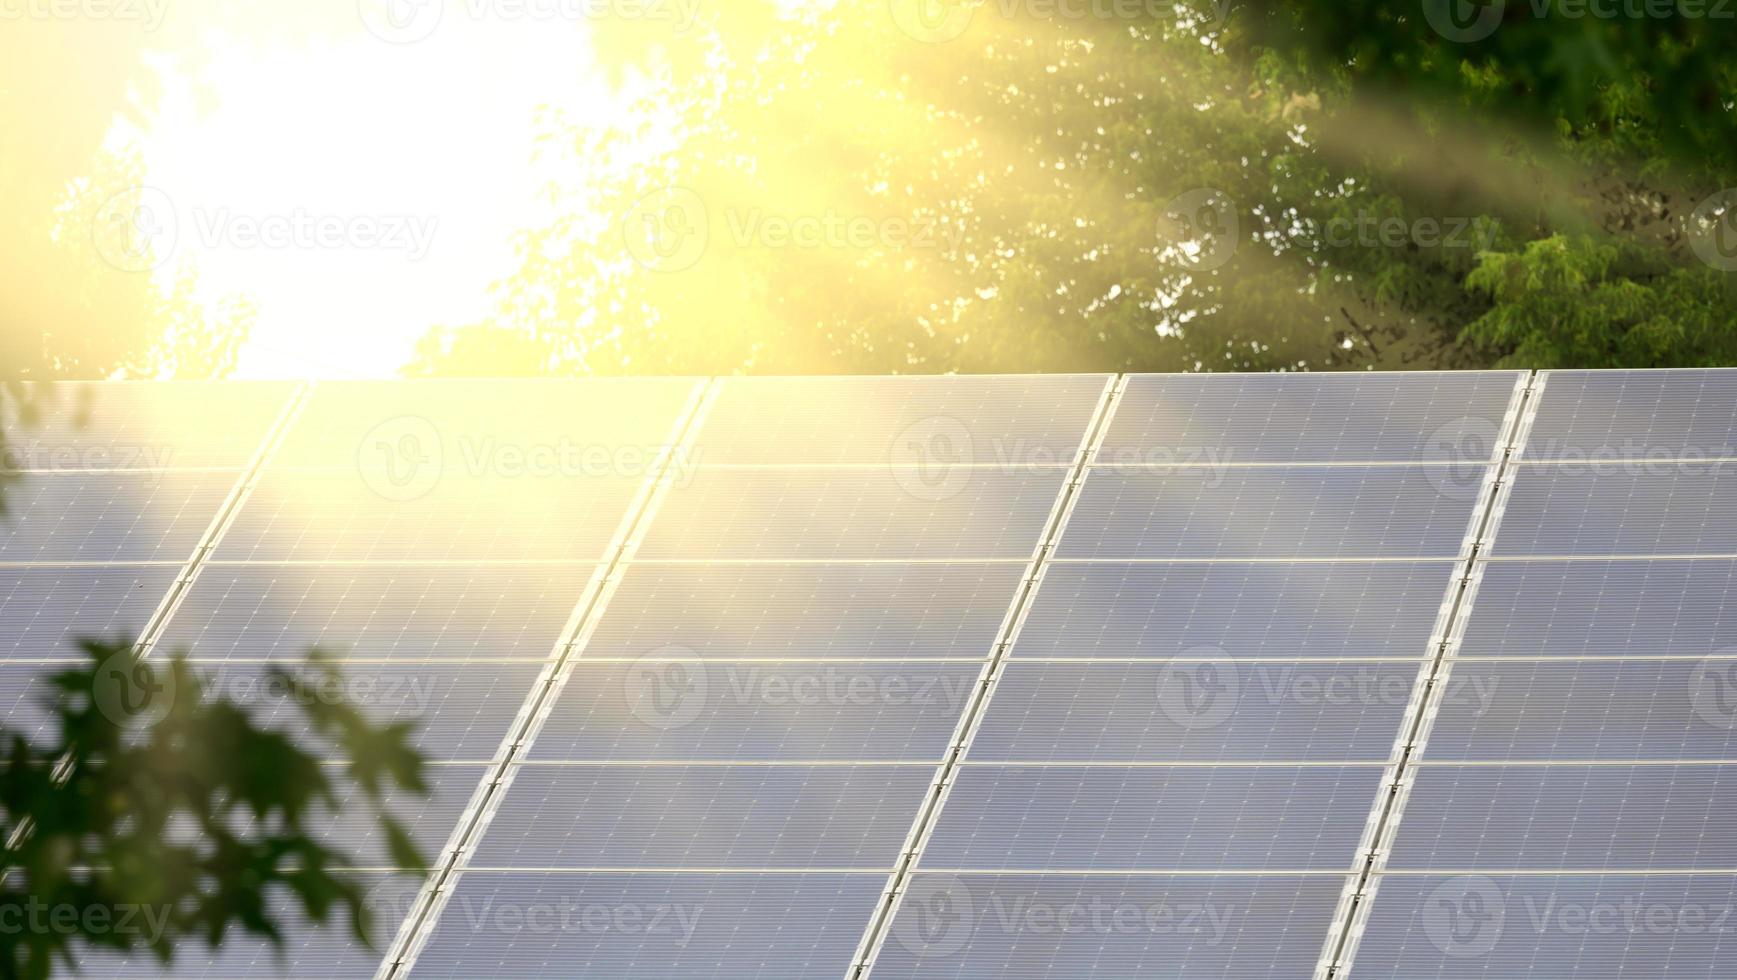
(1352, 914)
(880, 923)
(220, 522)
(418, 927)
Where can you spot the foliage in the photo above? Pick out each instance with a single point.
(1058, 163)
(164, 804)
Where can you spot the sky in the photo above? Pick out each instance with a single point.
(361, 190)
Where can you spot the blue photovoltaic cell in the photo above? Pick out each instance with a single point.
(1013, 421)
(25, 692)
(705, 817)
(852, 611)
(1621, 511)
(328, 950)
(990, 927)
(853, 514)
(1593, 711)
(142, 425)
(460, 713)
(1590, 927)
(1196, 712)
(1245, 818)
(44, 611)
(394, 612)
(1622, 608)
(343, 516)
(1563, 817)
(670, 926)
(681, 711)
(1287, 512)
(564, 427)
(1205, 419)
(1161, 611)
(1594, 415)
(353, 829)
(109, 517)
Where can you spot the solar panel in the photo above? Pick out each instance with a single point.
(1197, 711)
(1604, 608)
(141, 425)
(856, 611)
(1322, 512)
(853, 514)
(1058, 925)
(1602, 927)
(1562, 825)
(1113, 818)
(108, 517)
(1235, 610)
(45, 610)
(1006, 422)
(1209, 420)
(377, 611)
(1193, 676)
(1654, 416)
(550, 924)
(692, 816)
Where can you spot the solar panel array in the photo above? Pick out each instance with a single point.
(1173, 676)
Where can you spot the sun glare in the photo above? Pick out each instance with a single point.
(356, 190)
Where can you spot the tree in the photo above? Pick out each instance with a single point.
(164, 806)
(1212, 187)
